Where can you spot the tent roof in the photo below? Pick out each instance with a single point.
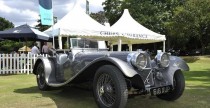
(23, 32)
(136, 33)
(77, 23)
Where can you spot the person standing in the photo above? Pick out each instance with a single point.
(35, 49)
(45, 48)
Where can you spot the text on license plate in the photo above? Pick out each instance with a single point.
(160, 90)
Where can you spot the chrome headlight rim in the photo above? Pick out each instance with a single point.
(139, 60)
(162, 59)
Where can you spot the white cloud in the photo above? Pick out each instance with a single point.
(96, 5)
(64, 8)
(5, 8)
(18, 16)
(96, 2)
(28, 11)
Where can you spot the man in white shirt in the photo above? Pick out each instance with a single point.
(35, 49)
(45, 48)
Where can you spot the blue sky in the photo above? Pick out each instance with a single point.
(27, 11)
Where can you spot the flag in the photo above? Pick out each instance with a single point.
(46, 12)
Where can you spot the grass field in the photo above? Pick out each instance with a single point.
(20, 91)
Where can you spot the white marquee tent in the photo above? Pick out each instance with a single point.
(131, 32)
(78, 23)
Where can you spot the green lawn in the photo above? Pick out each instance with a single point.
(20, 91)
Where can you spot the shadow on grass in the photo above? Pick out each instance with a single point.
(191, 59)
(68, 97)
(208, 56)
(197, 75)
(72, 97)
(195, 96)
(199, 82)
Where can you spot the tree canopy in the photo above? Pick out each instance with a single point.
(112, 10)
(192, 23)
(99, 16)
(41, 27)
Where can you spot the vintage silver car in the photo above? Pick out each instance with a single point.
(113, 75)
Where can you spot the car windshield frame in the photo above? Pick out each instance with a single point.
(83, 43)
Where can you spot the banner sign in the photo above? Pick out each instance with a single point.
(46, 12)
(129, 35)
(87, 7)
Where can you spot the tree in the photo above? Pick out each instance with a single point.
(100, 17)
(7, 45)
(41, 27)
(192, 21)
(150, 13)
(112, 10)
(5, 24)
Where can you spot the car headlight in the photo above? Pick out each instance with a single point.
(138, 60)
(162, 59)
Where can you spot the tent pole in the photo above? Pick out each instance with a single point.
(53, 36)
(60, 42)
(67, 42)
(111, 47)
(53, 22)
(164, 46)
(130, 47)
(119, 44)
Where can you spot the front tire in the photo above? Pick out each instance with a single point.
(40, 77)
(179, 85)
(109, 87)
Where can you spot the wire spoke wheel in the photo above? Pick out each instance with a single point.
(106, 90)
(40, 75)
(109, 87)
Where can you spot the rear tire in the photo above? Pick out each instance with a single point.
(40, 77)
(109, 87)
(179, 85)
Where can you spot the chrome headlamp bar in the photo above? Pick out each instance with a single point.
(138, 60)
(162, 59)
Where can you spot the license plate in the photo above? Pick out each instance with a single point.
(160, 90)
